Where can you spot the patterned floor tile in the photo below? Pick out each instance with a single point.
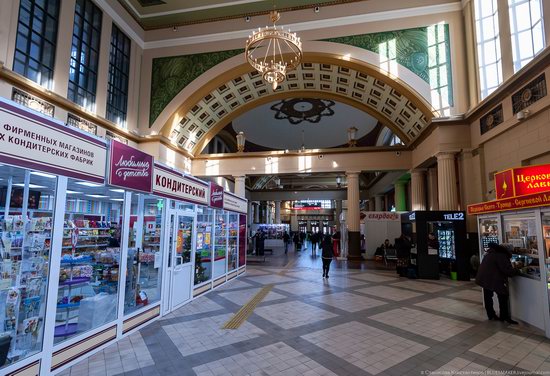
(371, 277)
(206, 334)
(199, 305)
(529, 353)
(366, 347)
(242, 297)
(304, 288)
(460, 366)
(420, 286)
(425, 324)
(276, 359)
(456, 307)
(474, 296)
(348, 302)
(293, 314)
(235, 284)
(391, 293)
(271, 278)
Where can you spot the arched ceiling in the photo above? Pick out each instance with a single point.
(279, 125)
(358, 84)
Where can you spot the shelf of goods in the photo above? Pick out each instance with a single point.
(88, 277)
(24, 264)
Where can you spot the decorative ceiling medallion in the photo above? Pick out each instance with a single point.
(297, 110)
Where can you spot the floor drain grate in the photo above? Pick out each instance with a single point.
(247, 309)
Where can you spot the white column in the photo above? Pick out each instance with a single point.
(337, 213)
(240, 189)
(418, 190)
(433, 203)
(446, 181)
(378, 203)
(256, 212)
(277, 212)
(352, 219)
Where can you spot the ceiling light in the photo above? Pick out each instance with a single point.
(88, 184)
(97, 196)
(117, 199)
(73, 192)
(278, 51)
(32, 186)
(43, 175)
(241, 140)
(352, 134)
(117, 190)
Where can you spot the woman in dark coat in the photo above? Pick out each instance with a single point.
(492, 276)
(327, 255)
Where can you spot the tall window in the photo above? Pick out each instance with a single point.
(85, 54)
(440, 77)
(488, 46)
(119, 67)
(527, 31)
(36, 39)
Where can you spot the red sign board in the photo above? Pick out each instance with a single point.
(130, 168)
(522, 181)
(513, 203)
(216, 195)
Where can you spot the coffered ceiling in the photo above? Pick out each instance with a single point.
(155, 14)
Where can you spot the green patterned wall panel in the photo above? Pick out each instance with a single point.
(171, 74)
(424, 50)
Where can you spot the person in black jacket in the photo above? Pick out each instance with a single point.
(492, 276)
(327, 255)
(403, 251)
(286, 240)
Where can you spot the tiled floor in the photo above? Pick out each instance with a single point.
(364, 320)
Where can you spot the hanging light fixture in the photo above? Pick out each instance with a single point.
(273, 51)
(352, 133)
(241, 139)
(338, 181)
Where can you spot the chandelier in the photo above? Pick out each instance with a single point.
(273, 51)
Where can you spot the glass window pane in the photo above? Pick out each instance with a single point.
(25, 245)
(90, 257)
(525, 44)
(203, 253)
(489, 52)
(523, 18)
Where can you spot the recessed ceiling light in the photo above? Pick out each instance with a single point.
(97, 196)
(73, 192)
(32, 186)
(117, 199)
(117, 190)
(88, 184)
(43, 175)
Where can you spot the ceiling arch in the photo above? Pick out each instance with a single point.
(219, 95)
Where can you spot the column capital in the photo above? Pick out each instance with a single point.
(418, 171)
(239, 176)
(444, 155)
(352, 173)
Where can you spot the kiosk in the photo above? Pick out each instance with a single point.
(521, 216)
(440, 239)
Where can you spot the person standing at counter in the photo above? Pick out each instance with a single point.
(492, 276)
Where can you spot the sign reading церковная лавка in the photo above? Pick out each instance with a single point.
(32, 141)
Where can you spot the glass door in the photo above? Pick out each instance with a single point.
(220, 244)
(233, 229)
(181, 259)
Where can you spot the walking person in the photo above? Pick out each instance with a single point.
(492, 276)
(286, 240)
(302, 240)
(314, 239)
(296, 240)
(327, 254)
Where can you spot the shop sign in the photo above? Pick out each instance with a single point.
(382, 216)
(175, 185)
(31, 141)
(453, 216)
(513, 203)
(130, 168)
(216, 195)
(522, 181)
(234, 203)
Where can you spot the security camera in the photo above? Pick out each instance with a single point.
(247, 18)
(316, 9)
(320, 156)
(398, 153)
(522, 114)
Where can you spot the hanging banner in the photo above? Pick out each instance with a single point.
(32, 141)
(234, 203)
(216, 195)
(130, 168)
(523, 202)
(522, 181)
(175, 185)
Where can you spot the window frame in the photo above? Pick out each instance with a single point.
(119, 76)
(518, 60)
